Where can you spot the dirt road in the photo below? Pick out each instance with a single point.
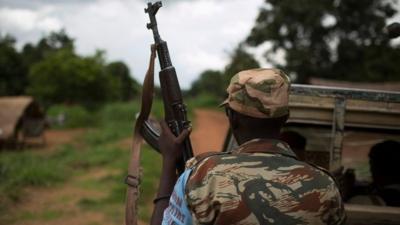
(209, 131)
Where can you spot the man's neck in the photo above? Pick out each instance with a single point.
(243, 138)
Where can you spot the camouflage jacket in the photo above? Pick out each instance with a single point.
(261, 182)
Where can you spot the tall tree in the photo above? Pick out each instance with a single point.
(240, 60)
(46, 46)
(210, 82)
(12, 71)
(215, 82)
(338, 39)
(64, 77)
(127, 87)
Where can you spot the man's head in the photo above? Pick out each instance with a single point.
(384, 162)
(257, 103)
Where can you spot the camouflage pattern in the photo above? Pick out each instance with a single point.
(260, 93)
(261, 182)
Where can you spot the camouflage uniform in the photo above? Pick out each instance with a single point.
(261, 182)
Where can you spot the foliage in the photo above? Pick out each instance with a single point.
(331, 39)
(127, 87)
(73, 115)
(240, 60)
(214, 83)
(210, 82)
(46, 46)
(98, 148)
(51, 71)
(64, 77)
(13, 73)
(203, 100)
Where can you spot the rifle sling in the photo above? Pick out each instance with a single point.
(133, 178)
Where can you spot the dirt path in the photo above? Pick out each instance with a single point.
(60, 205)
(209, 131)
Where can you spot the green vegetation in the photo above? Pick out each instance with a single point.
(332, 39)
(116, 194)
(74, 116)
(213, 83)
(341, 40)
(99, 149)
(54, 73)
(203, 100)
(43, 216)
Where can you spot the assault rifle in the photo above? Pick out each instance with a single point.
(174, 108)
(174, 114)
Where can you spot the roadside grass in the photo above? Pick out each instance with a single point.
(74, 116)
(112, 202)
(97, 148)
(45, 215)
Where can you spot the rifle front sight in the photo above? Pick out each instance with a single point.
(152, 10)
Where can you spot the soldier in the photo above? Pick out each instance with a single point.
(260, 182)
(383, 159)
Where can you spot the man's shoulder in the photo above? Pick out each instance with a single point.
(199, 160)
(284, 185)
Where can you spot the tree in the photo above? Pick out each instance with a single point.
(240, 60)
(337, 39)
(14, 65)
(126, 86)
(46, 46)
(210, 82)
(215, 82)
(64, 77)
(13, 73)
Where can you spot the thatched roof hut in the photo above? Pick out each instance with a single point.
(20, 115)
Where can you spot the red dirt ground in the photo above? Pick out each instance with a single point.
(209, 131)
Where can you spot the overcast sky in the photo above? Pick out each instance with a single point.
(200, 33)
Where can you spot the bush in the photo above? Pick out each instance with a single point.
(119, 113)
(74, 116)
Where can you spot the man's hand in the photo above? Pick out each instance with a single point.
(171, 150)
(170, 146)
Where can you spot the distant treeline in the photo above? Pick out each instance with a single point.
(332, 39)
(53, 72)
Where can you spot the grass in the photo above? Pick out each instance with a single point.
(116, 195)
(43, 216)
(22, 169)
(75, 116)
(98, 148)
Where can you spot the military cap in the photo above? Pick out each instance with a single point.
(260, 93)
